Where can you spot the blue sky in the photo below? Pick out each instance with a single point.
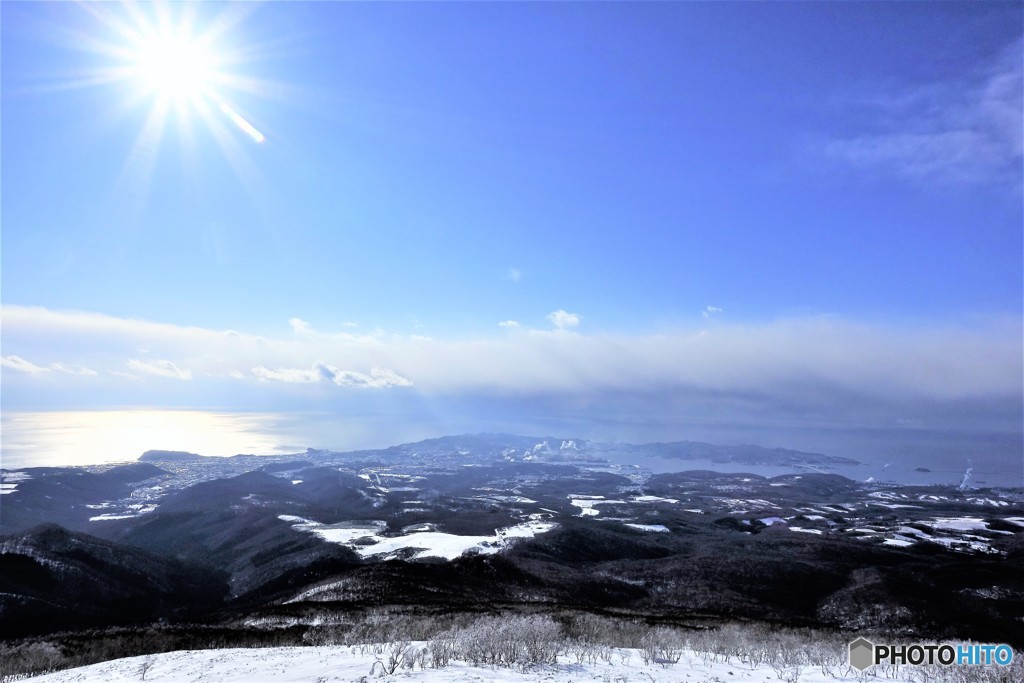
(735, 209)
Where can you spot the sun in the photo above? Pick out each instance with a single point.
(175, 55)
(184, 65)
(181, 70)
(176, 67)
(172, 63)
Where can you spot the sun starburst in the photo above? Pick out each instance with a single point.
(179, 61)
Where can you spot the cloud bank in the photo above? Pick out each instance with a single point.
(817, 368)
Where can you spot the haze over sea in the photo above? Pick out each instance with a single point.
(77, 438)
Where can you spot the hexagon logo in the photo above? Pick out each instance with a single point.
(862, 654)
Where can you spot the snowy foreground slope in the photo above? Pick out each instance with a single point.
(354, 663)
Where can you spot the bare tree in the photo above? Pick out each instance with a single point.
(145, 666)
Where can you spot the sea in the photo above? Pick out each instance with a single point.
(896, 455)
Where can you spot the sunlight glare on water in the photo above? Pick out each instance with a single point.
(63, 438)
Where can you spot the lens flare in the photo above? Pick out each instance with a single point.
(184, 64)
(171, 64)
(239, 121)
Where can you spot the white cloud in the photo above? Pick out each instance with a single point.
(509, 324)
(73, 370)
(710, 311)
(948, 156)
(963, 133)
(304, 329)
(159, 368)
(564, 320)
(19, 364)
(377, 379)
(300, 326)
(514, 274)
(289, 375)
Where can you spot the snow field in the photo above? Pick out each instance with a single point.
(354, 663)
(366, 539)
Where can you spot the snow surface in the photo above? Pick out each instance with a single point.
(911, 531)
(660, 528)
(896, 506)
(988, 501)
(365, 538)
(9, 480)
(587, 504)
(510, 499)
(137, 510)
(965, 544)
(353, 663)
(959, 523)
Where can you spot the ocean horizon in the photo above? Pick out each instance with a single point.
(96, 437)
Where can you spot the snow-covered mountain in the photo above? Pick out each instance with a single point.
(460, 525)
